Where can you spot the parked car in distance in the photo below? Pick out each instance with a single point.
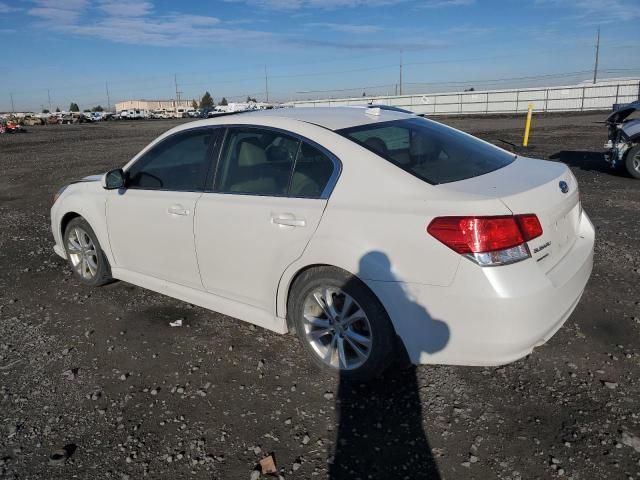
(206, 112)
(30, 121)
(133, 114)
(372, 234)
(11, 126)
(95, 116)
(623, 145)
(161, 113)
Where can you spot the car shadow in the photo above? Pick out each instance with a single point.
(380, 430)
(586, 160)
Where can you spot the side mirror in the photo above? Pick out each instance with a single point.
(114, 179)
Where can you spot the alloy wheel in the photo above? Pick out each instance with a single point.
(82, 253)
(337, 328)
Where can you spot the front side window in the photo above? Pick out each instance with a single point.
(429, 150)
(178, 163)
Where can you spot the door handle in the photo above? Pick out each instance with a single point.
(288, 220)
(177, 210)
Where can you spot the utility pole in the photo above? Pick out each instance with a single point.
(400, 72)
(49, 97)
(108, 97)
(13, 108)
(175, 80)
(266, 83)
(595, 68)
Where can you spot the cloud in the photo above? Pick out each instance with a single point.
(470, 30)
(4, 8)
(345, 27)
(135, 23)
(447, 3)
(397, 46)
(58, 12)
(598, 11)
(140, 24)
(319, 4)
(125, 9)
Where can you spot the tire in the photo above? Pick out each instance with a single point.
(84, 254)
(632, 162)
(328, 331)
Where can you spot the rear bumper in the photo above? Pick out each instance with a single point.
(489, 316)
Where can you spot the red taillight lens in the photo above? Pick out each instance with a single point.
(529, 226)
(471, 235)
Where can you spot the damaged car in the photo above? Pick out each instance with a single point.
(623, 146)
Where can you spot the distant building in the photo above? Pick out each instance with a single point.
(152, 105)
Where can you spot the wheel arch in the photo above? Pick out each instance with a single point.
(93, 212)
(64, 221)
(288, 281)
(284, 292)
(284, 289)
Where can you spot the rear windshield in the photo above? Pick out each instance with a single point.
(429, 150)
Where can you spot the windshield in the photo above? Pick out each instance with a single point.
(429, 150)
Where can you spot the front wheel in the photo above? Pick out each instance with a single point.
(632, 162)
(85, 256)
(342, 325)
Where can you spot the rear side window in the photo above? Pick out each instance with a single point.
(178, 163)
(311, 174)
(257, 161)
(428, 150)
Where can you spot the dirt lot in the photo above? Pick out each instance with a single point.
(101, 373)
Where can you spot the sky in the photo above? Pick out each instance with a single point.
(58, 51)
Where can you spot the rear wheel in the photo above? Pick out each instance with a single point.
(85, 256)
(632, 162)
(342, 325)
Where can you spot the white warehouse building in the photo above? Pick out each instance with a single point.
(153, 105)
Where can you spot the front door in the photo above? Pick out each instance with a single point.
(151, 221)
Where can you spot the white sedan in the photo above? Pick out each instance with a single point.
(373, 234)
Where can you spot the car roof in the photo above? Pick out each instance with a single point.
(333, 118)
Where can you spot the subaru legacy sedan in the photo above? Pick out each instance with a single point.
(372, 234)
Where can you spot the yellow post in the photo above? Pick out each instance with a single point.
(527, 126)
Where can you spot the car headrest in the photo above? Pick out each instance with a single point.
(250, 154)
(377, 145)
(424, 144)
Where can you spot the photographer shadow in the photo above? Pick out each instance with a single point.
(380, 432)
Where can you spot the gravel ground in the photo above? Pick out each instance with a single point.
(94, 383)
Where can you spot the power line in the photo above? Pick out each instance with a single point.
(530, 77)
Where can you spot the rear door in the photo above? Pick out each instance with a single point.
(269, 194)
(151, 221)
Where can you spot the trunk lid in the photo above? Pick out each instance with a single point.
(545, 188)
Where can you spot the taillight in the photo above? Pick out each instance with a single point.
(529, 226)
(488, 240)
